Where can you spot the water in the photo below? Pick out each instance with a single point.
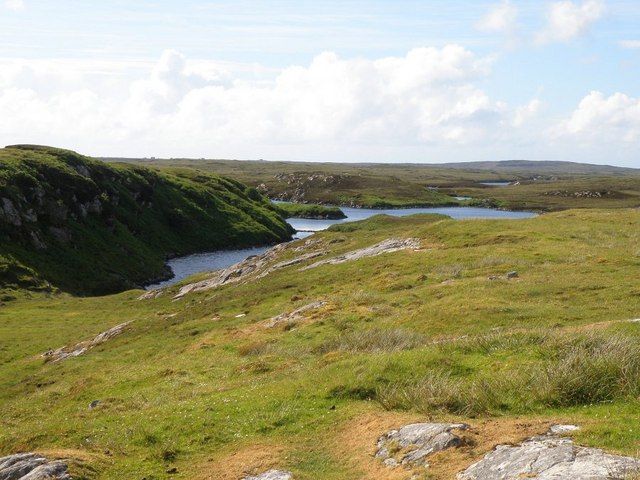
(305, 225)
(495, 184)
(184, 267)
(188, 265)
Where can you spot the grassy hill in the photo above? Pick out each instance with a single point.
(208, 387)
(87, 227)
(544, 186)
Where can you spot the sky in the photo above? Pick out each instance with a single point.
(343, 81)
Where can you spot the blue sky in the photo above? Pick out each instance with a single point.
(429, 81)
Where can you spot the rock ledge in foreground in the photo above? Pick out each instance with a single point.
(31, 466)
(412, 444)
(550, 457)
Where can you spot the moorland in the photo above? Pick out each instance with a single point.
(300, 359)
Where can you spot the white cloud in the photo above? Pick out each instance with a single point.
(427, 97)
(599, 119)
(631, 44)
(567, 20)
(392, 108)
(526, 112)
(15, 5)
(500, 19)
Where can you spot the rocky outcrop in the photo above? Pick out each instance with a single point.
(412, 444)
(386, 246)
(550, 457)
(294, 316)
(254, 267)
(78, 349)
(272, 475)
(31, 466)
(258, 266)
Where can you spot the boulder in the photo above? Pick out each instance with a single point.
(550, 457)
(31, 466)
(63, 353)
(412, 444)
(295, 315)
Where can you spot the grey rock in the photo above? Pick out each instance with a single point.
(31, 466)
(412, 444)
(513, 274)
(36, 241)
(151, 294)
(78, 349)
(94, 206)
(386, 246)
(562, 429)
(10, 213)
(82, 170)
(251, 268)
(296, 315)
(271, 475)
(549, 457)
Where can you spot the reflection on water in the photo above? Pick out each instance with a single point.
(183, 267)
(496, 184)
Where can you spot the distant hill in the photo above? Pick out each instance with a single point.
(542, 167)
(92, 228)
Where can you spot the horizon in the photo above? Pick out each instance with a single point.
(337, 82)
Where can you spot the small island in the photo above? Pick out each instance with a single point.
(310, 210)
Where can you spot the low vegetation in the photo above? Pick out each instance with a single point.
(542, 186)
(201, 387)
(87, 227)
(306, 210)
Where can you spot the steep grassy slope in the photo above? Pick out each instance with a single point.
(543, 186)
(204, 386)
(88, 227)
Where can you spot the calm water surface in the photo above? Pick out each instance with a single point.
(354, 214)
(205, 262)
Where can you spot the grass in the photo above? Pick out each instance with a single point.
(305, 210)
(564, 370)
(404, 337)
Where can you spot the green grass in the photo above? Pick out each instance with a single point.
(91, 228)
(407, 335)
(305, 210)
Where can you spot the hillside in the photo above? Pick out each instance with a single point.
(90, 228)
(536, 185)
(304, 357)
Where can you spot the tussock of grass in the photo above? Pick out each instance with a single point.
(571, 371)
(375, 340)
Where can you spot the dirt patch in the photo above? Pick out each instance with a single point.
(248, 460)
(356, 443)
